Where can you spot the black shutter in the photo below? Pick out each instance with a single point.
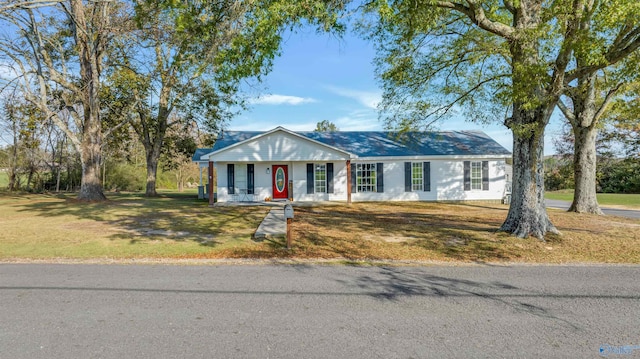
(485, 175)
(250, 178)
(426, 176)
(407, 177)
(467, 175)
(230, 178)
(379, 178)
(329, 177)
(354, 188)
(310, 184)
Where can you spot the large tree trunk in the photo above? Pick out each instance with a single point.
(152, 148)
(584, 169)
(90, 56)
(527, 213)
(533, 103)
(91, 156)
(153, 141)
(583, 121)
(152, 172)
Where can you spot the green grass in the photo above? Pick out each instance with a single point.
(604, 199)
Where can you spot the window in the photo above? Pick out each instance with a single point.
(416, 176)
(476, 175)
(366, 177)
(320, 175)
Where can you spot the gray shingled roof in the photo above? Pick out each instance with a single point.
(387, 144)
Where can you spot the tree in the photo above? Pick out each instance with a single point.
(12, 127)
(25, 123)
(185, 61)
(180, 145)
(511, 54)
(589, 102)
(326, 126)
(57, 51)
(623, 121)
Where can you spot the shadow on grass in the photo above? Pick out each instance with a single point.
(168, 217)
(385, 231)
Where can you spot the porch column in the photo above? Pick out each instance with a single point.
(348, 181)
(210, 184)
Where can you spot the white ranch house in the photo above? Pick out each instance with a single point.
(354, 166)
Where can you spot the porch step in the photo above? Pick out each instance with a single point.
(272, 226)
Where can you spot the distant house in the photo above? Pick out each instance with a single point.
(355, 166)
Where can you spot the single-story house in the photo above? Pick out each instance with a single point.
(354, 166)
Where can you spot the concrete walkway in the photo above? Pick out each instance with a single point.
(273, 225)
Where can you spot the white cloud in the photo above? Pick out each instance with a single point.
(369, 99)
(361, 120)
(251, 124)
(275, 99)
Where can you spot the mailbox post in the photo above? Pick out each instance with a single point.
(288, 215)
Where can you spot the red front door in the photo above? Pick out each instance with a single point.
(280, 181)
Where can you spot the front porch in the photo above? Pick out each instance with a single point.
(267, 182)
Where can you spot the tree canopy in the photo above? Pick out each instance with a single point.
(507, 60)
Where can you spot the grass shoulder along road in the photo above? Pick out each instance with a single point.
(622, 200)
(176, 226)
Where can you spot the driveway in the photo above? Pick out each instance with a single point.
(309, 311)
(629, 213)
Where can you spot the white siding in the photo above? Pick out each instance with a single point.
(339, 183)
(393, 173)
(446, 182)
(450, 176)
(278, 147)
(297, 172)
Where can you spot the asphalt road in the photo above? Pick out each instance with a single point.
(629, 213)
(305, 311)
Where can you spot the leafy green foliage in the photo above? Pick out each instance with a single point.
(621, 177)
(437, 59)
(184, 62)
(432, 63)
(558, 173)
(624, 122)
(326, 126)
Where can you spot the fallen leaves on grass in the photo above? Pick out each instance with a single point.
(132, 226)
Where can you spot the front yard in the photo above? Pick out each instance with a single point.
(129, 226)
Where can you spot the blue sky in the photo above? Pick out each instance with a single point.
(323, 77)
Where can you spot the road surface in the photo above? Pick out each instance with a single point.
(629, 213)
(309, 311)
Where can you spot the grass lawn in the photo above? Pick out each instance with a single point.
(126, 226)
(179, 226)
(604, 199)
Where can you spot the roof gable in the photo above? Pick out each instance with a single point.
(276, 145)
